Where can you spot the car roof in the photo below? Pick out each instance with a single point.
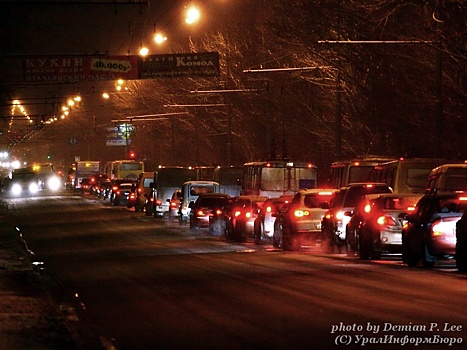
(317, 190)
(220, 195)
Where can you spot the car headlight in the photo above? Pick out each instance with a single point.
(54, 183)
(33, 187)
(16, 189)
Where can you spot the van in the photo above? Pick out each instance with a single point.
(144, 186)
(190, 193)
(448, 178)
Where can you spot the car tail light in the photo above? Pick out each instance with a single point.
(248, 214)
(173, 204)
(158, 201)
(114, 188)
(339, 215)
(269, 209)
(139, 190)
(367, 208)
(300, 213)
(132, 195)
(200, 213)
(386, 221)
(151, 199)
(218, 211)
(440, 227)
(237, 213)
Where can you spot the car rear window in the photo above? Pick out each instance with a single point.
(355, 194)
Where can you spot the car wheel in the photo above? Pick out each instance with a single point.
(259, 233)
(427, 258)
(365, 247)
(351, 243)
(413, 252)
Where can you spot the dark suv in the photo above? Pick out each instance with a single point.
(204, 206)
(335, 220)
(430, 232)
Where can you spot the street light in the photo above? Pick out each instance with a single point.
(192, 15)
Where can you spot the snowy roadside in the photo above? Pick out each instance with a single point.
(29, 317)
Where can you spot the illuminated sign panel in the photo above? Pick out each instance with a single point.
(179, 65)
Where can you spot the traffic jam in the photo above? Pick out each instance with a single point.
(277, 204)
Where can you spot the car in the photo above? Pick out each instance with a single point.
(277, 231)
(242, 215)
(461, 243)
(334, 222)
(430, 231)
(23, 181)
(264, 222)
(301, 223)
(376, 224)
(174, 205)
(103, 188)
(86, 185)
(204, 205)
(143, 191)
(121, 192)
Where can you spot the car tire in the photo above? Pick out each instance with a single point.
(365, 245)
(351, 243)
(414, 252)
(429, 263)
(259, 233)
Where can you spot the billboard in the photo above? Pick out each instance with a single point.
(179, 65)
(119, 135)
(73, 68)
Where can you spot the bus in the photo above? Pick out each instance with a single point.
(406, 175)
(229, 179)
(355, 170)
(124, 169)
(167, 180)
(277, 177)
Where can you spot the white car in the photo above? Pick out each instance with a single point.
(301, 223)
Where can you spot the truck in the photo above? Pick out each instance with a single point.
(124, 169)
(85, 169)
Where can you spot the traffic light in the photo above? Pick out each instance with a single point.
(132, 154)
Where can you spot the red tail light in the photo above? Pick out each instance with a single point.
(269, 209)
(386, 221)
(441, 228)
(173, 204)
(158, 201)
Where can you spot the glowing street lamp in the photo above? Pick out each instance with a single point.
(159, 38)
(144, 51)
(192, 15)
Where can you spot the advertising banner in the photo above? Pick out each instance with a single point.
(64, 69)
(179, 65)
(119, 135)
